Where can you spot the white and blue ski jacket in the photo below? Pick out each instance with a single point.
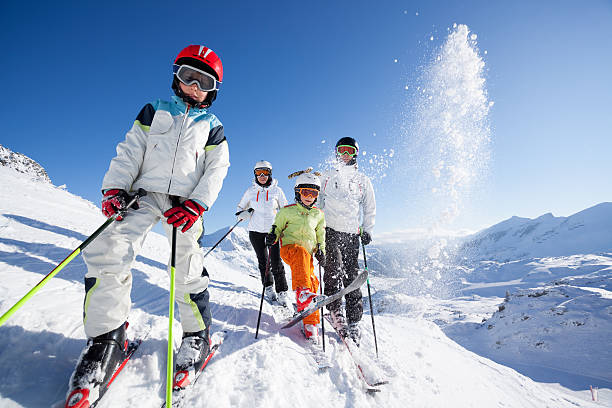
(164, 153)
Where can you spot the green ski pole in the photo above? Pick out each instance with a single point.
(141, 193)
(169, 363)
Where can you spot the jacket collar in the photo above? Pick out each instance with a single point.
(272, 184)
(346, 170)
(304, 209)
(181, 106)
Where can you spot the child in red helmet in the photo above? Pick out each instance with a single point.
(177, 152)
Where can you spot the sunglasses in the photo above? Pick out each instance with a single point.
(346, 149)
(260, 172)
(308, 192)
(190, 75)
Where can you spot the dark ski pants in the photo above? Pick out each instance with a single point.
(277, 277)
(341, 268)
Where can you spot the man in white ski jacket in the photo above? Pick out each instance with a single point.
(347, 199)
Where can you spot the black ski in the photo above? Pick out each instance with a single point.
(356, 284)
(81, 398)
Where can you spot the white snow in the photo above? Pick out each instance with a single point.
(424, 341)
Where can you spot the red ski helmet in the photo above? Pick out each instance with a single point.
(205, 59)
(201, 57)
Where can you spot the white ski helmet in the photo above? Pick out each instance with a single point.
(263, 164)
(308, 180)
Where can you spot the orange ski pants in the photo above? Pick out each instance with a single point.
(302, 273)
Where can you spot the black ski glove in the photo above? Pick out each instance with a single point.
(270, 239)
(320, 256)
(365, 238)
(271, 236)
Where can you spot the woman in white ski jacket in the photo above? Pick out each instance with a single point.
(265, 197)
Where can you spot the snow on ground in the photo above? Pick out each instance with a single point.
(40, 224)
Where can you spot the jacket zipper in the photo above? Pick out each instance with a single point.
(178, 140)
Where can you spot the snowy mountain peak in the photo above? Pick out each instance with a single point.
(587, 231)
(23, 164)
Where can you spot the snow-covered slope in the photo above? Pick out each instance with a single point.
(40, 343)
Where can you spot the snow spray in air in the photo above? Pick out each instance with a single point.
(452, 124)
(448, 146)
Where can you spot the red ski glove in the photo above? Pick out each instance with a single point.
(114, 201)
(186, 213)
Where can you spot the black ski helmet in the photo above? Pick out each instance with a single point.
(205, 59)
(348, 141)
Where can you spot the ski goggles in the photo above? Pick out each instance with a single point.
(259, 172)
(190, 75)
(346, 149)
(308, 192)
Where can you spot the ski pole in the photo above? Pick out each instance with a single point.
(141, 193)
(365, 263)
(169, 363)
(321, 311)
(263, 291)
(226, 234)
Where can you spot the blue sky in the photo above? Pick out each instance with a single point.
(299, 73)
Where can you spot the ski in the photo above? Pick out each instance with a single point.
(370, 386)
(319, 358)
(179, 393)
(82, 397)
(281, 312)
(317, 304)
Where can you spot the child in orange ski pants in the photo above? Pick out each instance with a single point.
(302, 274)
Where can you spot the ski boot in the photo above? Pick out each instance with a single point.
(339, 322)
(354, 332)
(284, 299)
(270, 294)
(304, 297)
(96, 367)
(311, 332)
(190, 358)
